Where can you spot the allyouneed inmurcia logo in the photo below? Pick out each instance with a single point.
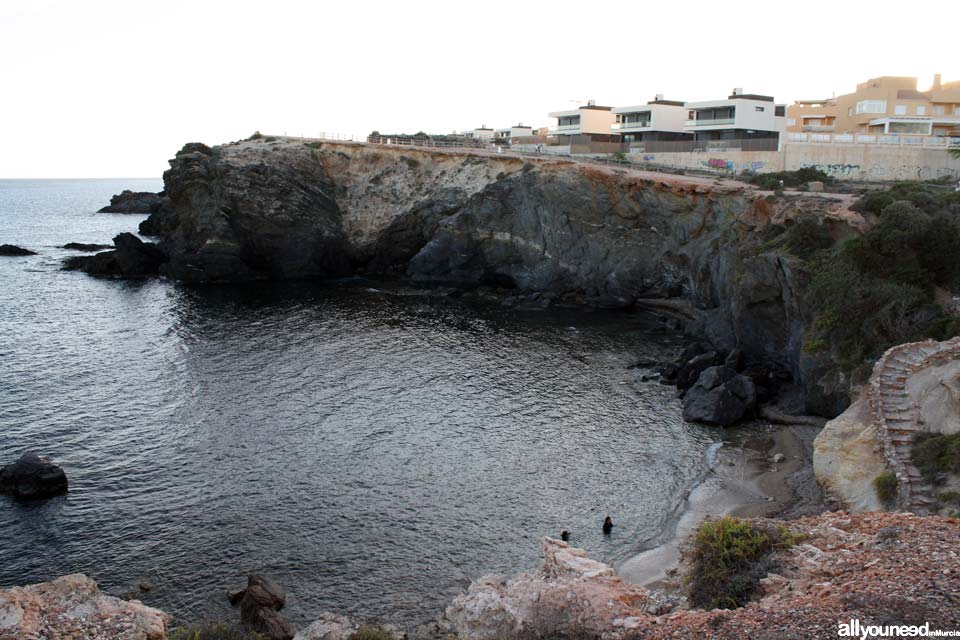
(853, 629)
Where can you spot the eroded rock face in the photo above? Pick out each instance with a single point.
(609, 237)
(33, 477)
(570, 594)
(73, 607)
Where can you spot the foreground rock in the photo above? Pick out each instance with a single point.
(134, 202)
(260, 605)
(570, 596)
(80, 246)
(881, 568)
(72, 607)
(330, 626)
(14, 251)
(721, 396)
(33, 477)
(132, 258)
(914, 389)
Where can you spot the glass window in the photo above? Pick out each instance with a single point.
(872, 106)
(900, 110)
(791, 122)
(938, 110)
(759, 108)
(921, 110)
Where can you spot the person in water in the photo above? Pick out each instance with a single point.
(565, 535)
(607, 526)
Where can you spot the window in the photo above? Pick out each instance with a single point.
(791, 122)
(921, 110)
(956, 111)
(909, 127)
(872, 106)
(900, 110)
(760, 109)
(938, 110)
(849, 111)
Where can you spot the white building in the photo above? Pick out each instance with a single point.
(517, 131)
(589, 120)
(741, 117)
(483, 133)
(657, 120)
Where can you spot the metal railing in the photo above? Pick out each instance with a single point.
(933, 142)
(708, 122)
(620, 126)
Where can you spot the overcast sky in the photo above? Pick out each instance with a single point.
(100, 88)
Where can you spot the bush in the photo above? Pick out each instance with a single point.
(805, 237)
(256, 136)
(771, 181)
(371, 633)
(935, 455)
(885, 485)
(730, 556)
(214, 631)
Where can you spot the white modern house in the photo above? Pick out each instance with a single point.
(741, 117)
(517, 131)
(589, 120)
(483, 133)
(657, 120)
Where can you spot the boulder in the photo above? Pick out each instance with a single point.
(80, 246)
(132, 258)
(13, 250)
(721, 396)
(33, 477)
(74, 607)
(690, 371)
(134, 202)
(260, 608)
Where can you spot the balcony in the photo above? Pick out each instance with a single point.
(631, 126)
(568, 129)
(709, 122)
(822, 128)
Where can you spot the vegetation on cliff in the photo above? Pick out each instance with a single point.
(880, 289)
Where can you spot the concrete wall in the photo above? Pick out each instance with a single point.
(596, 121)
(872, 161)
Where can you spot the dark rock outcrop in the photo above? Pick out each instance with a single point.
(260, 605)
(33, 477)
(132, 258)
(574, 231)
(720, 396)
(134, 202)
(80, 246)
(13, 250)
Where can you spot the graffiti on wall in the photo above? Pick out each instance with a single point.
(719, 163)
(835, 170)
(649, 157)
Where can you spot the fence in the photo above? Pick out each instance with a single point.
(930, 142)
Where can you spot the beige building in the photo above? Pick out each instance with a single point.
(887, 105)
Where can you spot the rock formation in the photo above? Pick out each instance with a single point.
(33, 477)
(609, 237)
(134, 202)
(260, 605)
(912, 390)
(720, 396)
(80, 246)
(132, 258)
(15, 251)
(72, 607)
(877, 567)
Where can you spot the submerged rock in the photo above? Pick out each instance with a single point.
(132, 258)
(80, 246)
(134, 202)
(74, 607)
(33, 477)
(13, 250)
(260, 608)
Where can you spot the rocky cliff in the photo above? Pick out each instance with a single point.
(578, 231)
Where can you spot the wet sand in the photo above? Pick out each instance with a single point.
(743, 481)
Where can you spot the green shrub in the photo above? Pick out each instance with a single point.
(371, 633)
(935, 455)
(949, 497)
(314, 144)
(256, 136)
(771, 181)
(213, 631)
(805, 237)
(730, 556)
(885, 485)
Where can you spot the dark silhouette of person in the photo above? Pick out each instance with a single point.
(607, 526)
(565, 535)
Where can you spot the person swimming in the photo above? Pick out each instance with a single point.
(607, 526)
(565, 535)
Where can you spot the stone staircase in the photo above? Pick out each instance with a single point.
(898, 417)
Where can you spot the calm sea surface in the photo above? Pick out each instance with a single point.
(371, 447)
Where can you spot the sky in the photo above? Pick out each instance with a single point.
(104, 88)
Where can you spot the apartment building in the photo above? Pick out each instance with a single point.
(656, 121)
(742, 117)
(509, 133)
(887, 105)
(484, 133)
(588, 122)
